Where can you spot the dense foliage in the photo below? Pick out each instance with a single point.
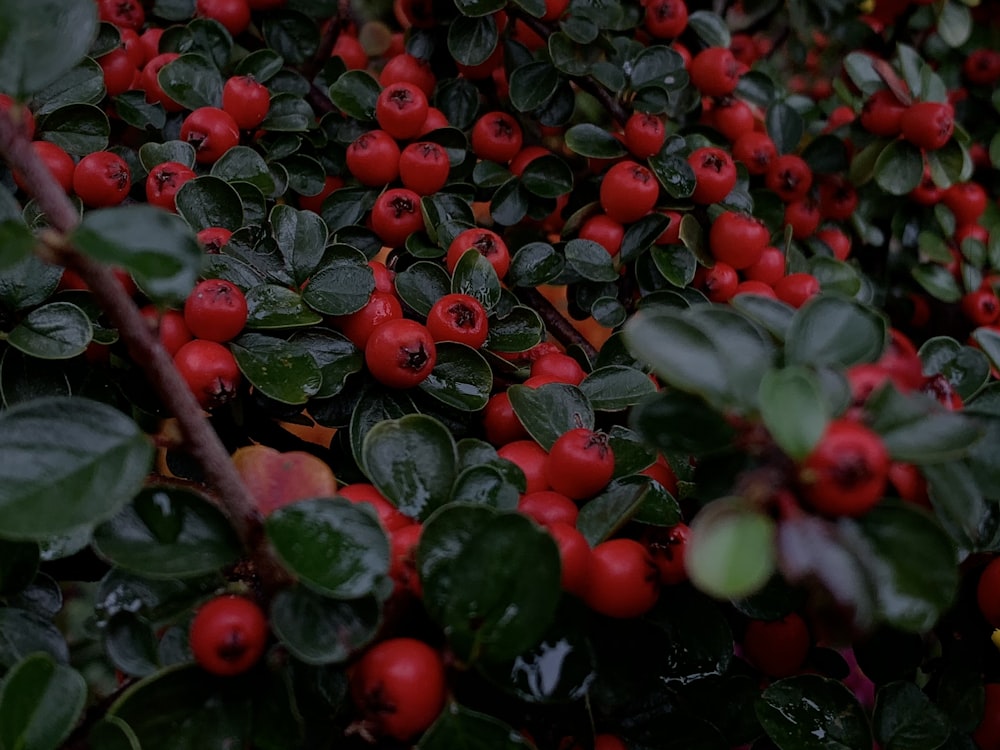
(499, 374)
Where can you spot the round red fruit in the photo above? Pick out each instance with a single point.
(484, 241)
(358, 326)
(458, 317)
(531, 459)
(666, 19)
(233, 14)
(928, 125)
(644, 133)
(396, 215)
(424, 167)
(406, 67)
(622, 579)
(981, 307)
(846, 473)
(605, 231)
(500, 423)
(580, 463)
(574, 557)
(668, 548)
(373, 158)
(715, 174)
(246, 100)
(790, 177)
(101, 179)
(169, 326)
(401, 109)
(215, 310)
(561, 367)
(628, 191)
(778, 648)
(127, 14)
(210, 371)
(737, 239)
(399, 687)
(756, 151)
(547, 507)
(714, 71)
(496, 136)
(228, 635)
(796, 289)
(163, 182)
(400, 353)
(211, 131)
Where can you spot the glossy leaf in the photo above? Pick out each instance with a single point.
(58, 330)
(594, 141)
(517, 331)
(810, 712)
(336, 547)
(835, 330)
(96, 460)
(277, 368)
(550, 410)
(914, 428)
(474, 275)
(209, 201)
(905, 717)
(276, 307)
(131, 644)
(343, 286)
(899, 168)
(461, 377)
(411, 460)
(532, 84)
(460, 728)
(785, 126)
(966, 369)
(192, 80)
(423, 284)
(243, 164)
(590, 260)
(168, 533)
(623, 500)
(319, 630)
(355, 93)
(28, 633)
(486, 485)
(616, 387)
(533, 264)
(336, 357)
(674, 173)
(40, 703)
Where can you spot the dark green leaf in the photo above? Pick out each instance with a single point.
(84, 83)
(192, 80)
(954, 23)
(288, 113)
(641, 234)
(411, 460)
(485, 485)
(518, 331)
(531, 85)
(336, 547)
(27, 633)
(905, 717)
(809, 712)
(242, 163)
(58, 330)
(133, 108)
(40, 703)
(835, 330)
(421, 285)
(346, 206)
(131, 645)
(533, 264)
(471, 40)
(461, 377)
(153, 153)
(475, 276)
(794, 409)
(343, 286)
(593, 141)
(590, 260)
(42, 41)
(937, 281)
(28, 283)
(18, 565)
(899, 168)
(616, 387)
(318, 630)
(279, 369)
(262, 64)
(915, 428)
(785, 126)
(510, 202)
(95, 461)
(621, 501)
(550, 410)
(355, 94)
(966, 369)
(460, 728)
(301, 238)
(677, 422)
(16, 242)
(476, 8)
(168, 533)
(275, 307)
(547, 177)
(291, 34)
(80, 129)
(209, 201)
(710, 28)
(826, 154)
(959, 505)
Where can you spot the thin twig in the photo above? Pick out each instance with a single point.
(554, 321)
(144, 347)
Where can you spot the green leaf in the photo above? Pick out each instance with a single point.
(301, 238)
(28, 283)
(710, 28)
(461, 377)
(911, 592)
(785, 126)
(42, 41)
(168, 532)
(899, 168)
(84, 83)
(133, 108)
(834, 330)
(510, 203)
(336, 357)
(794, 409)
(421, 285)
(862, 73)
(625, 499)
(131, 644)
(242, 163)
(40, 703)
(471, 40)
(460, 728)
(659, 418)
(616, 387)
(18, 566)
(503, 589)
(677, 264)
(288, 113)
(343, 286)
(279, 369)
(916, 429)
(550, 410)
(27, 633)
(731, 550)
(155, 246)
(905, 717)
(411, 460)
(355, 93)
(518, 331)
(275, 307)
(474, 275)
(262, 64)
(533, 264)
(594, 141)
(192, 80)
(336, 547)
(153, 153)
(531, 85)
(95, 460)
(485, 485)
(209, 201)
(954, 24)
(318, 630)
(590, 260)
(291, 34)
(58, 330)
(80, 129)
(548, 177)
(966, 369)
(810, 712)
(938, 281)
(826, 154)
(16, 242)
(959, 505)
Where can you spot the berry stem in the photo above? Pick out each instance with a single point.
(234, 498)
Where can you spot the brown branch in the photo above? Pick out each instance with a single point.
(144, 346)
(327, 41)
(554, 321)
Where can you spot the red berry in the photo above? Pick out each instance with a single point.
(484, 241)
(215, 310)
(797, 288)
(496, 136)
(406, 67)
(163, 182)
(778, 648)
(246, 100)
(401, 109)
(605, 231)
(213, 239)
(399, 687)
(714, 71)
(755, 150)
(580, 463)
(403, 556)
(531, 459)
(59, 163)
(101, 179)
(458, 317)
(548, 507)
(882, 114)
(737, 239)
(574, 557)
(644, 133)
(769, 268)
(400, 353)
(628, 191)
(500, 422)
(127, 14)
(150, 81)
(424, 167)
(928, 125)
(169, 326)
(389, 515)
(987, 733)
(373, 158)
(622, 579)
(119, 71)
(233, 14)
(668, 548)
(562, 367)
(210, 370)
(396, 215)
(846, 473)
(358, 325)
(790, 177)
(228, 635)
(715, 174)
(981, 307)
(967, 200)
(721, 281)
(211, 131)
(666, 19)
